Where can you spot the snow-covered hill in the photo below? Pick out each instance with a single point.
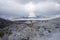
(36, 30)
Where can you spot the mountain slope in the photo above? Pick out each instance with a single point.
(4, 23)
(39, 30)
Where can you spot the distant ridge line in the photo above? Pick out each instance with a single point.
(57, 16)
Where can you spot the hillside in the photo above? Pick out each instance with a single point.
(4, 23)
(36, 30)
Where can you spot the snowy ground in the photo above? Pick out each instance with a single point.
(40, 30)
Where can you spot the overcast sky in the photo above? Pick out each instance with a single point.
(20, 8)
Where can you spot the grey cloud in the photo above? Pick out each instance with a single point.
(58, 1)
(11, 9)
(22, 1)
(35, 1)
(13, 14)
(26, 1)
(15, 8)
(47, 11)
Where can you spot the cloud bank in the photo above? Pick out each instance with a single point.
(22, 8)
